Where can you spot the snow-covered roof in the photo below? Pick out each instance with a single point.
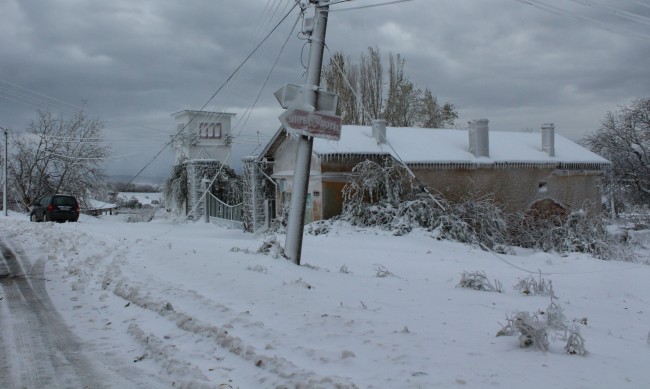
(425, 145)
(97, 205)
(204, 113)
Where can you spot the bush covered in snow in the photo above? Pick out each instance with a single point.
(132, 203)
(226, 184)
(479, 281)
(532, 286)
(374, 193)
(175, 187)
(573, 232)
(383, 195)
(476, 220)
(536, 329)
(636, 218)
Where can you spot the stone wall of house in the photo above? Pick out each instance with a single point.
(514, 188)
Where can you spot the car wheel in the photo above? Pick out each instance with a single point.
(45, 218)
(32, 217)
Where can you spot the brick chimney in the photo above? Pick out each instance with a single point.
(479, 139)
(379, 130)
(548, 139)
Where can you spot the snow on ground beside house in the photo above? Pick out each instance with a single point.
(145, 198)
(98, 205)
(192, 304)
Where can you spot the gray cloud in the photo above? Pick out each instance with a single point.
(134, 63)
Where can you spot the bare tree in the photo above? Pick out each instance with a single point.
(55, 155)
(403, 97)
(363, 94)
(371, 76)
(342, 77)
(624, 139)
(433, 115)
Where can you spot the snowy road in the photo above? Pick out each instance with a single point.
(37, 350)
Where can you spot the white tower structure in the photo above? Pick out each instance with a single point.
(202, 135)
(202, 143)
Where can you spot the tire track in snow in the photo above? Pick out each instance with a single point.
(38, 349)
(288, 374)
(103, 266)
(73, 367)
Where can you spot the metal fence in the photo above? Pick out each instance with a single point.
(221, 210)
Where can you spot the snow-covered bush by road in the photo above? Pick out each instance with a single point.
(384, 195)
(479, 281)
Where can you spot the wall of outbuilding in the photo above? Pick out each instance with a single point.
(514, 187)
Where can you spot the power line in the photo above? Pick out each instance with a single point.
(41, 98)
(614, 11)
(367, 113)
(266, 80)
(365, 6)
(538, 4)
(215, 93)
(234, 86)
(33, 97)
(108, 158)
(268, 15)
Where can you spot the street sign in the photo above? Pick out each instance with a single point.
(292, 95)
(289, 95)
(316, 124)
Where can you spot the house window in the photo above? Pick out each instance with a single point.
(209, 130)
(542, 187)
(216, 130)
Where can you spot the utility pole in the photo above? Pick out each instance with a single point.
(296, 219)
(4, 189)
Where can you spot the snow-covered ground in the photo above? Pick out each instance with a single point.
(194, 305)
(144, 198)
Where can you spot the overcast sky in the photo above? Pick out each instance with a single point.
(518, 63)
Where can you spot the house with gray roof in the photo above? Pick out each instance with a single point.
(518, 170)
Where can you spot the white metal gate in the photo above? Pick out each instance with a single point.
(220, 210)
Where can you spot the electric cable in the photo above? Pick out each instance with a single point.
(108, 158)
(397, 156)
(614, 11)
(267, 17)
(39, 98)
(234, 85)
(214, 94)
(266, 80)
(563, 12)
(365, 6)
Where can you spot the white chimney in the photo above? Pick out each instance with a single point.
(548, 139)
(379, 130)
(479, 139)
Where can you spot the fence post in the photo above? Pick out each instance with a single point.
(207, 200)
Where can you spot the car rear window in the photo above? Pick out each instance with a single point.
(64, 200)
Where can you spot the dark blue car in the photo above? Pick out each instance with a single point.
(56, 208)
